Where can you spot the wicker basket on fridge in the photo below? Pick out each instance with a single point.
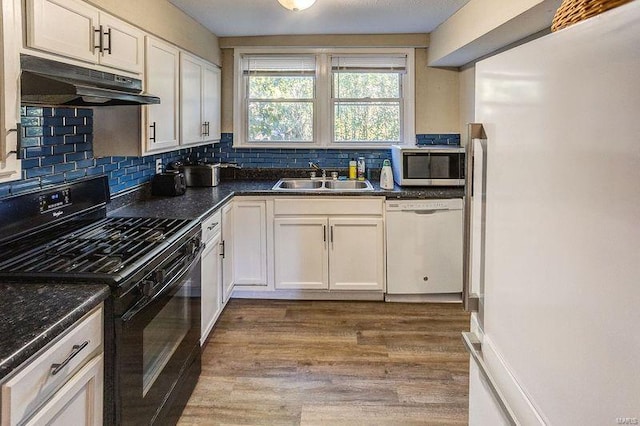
(572, 11)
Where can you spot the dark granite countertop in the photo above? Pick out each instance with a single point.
(198, 203)
(32, 315)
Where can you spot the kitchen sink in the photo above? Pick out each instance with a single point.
(299, 184)
(321, 185)
(348, 184)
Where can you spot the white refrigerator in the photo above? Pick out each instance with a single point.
(554, 250)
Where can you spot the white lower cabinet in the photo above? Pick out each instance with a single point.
(64, 384)
(250, 243)
(356, 253)
(226, 247)
(342, 250)
(79, 402)
(211, 268)
(301, 258)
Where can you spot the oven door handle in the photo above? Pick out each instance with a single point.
(128, 316)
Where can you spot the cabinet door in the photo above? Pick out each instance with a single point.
(9, 92)
(211, 102)
(211, 286)
(161, 74)
(356, 254)
(78, 402)
(250, 243)
(301, 253)
(227, 251)
(123, 45)
(191, 122)
(65, 27)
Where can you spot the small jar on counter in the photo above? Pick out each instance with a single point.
(362, 168)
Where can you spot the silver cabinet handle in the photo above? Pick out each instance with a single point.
(56, 368)
(18, 150)
(324, 233)
(108, 48)
(222, 249)
(210, 227)
(153, 126)
(474, 347)
(97, 32)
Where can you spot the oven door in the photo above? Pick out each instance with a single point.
(157, 343)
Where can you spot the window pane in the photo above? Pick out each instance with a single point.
(280, 87)
(281, 121)
(366, 85)
(367, 121)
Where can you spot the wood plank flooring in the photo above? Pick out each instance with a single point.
(333, 363)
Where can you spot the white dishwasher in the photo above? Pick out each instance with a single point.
(424, 246)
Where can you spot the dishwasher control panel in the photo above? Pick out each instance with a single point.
(412, 205)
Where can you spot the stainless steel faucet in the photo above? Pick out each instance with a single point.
(316, 167)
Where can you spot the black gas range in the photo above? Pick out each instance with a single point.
(152, 319)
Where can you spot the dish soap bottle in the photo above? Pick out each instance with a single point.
(352, 168)
(386, 175)
(361, 168)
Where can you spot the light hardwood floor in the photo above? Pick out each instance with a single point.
(328, 363)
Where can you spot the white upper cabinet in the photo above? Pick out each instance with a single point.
(161, 79)
(123, 45)
(211, 101)
(199, 100)
(9, 97)
(74, 29)
(191, 120)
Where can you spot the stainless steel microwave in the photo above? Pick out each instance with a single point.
(436, 165)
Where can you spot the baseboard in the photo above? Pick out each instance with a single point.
(309, 295)
(424, 298)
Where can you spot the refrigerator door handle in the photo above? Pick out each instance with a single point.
(474, 347)
(471, 301)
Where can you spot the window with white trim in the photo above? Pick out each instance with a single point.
(280, 98)
(367, 98)
(340, 98)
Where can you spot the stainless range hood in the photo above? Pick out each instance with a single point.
(46, 82)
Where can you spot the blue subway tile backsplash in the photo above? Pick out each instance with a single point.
(438, 139)
(292, 157)
(57, 146)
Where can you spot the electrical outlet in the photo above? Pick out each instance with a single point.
(159, 165)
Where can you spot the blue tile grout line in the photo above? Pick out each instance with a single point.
(57, 147)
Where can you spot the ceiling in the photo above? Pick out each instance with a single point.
(232, 18)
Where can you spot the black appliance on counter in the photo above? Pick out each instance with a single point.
(169, 183)
(152, 319)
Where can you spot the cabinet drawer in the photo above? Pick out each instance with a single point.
(211, 226)
(332, 206)
(38, 380)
